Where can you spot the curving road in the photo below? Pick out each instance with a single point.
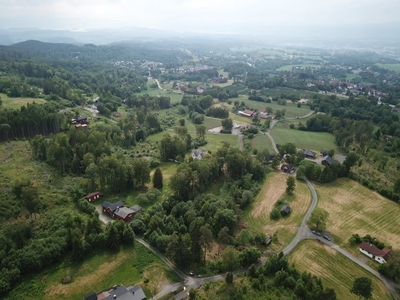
(304, 232)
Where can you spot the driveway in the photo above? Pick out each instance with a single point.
(103, 217)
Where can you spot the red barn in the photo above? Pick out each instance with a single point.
(93, 196)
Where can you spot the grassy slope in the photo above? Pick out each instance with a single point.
(282, 134)
(175, 97)
(355, 209)
(18, 102)
(260, 142)
(292, 110)
(99, 272)
(272, 190)
(335, 270)
(391, 67)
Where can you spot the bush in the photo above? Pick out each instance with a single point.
(224, 131)
(275, 214)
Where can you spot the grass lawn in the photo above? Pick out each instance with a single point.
(16, 103)
(175, 97)
(354, 208)
(273, 190)
(391, 67)
(99, 272)
(316, 141)
(335, 270)
(292, 110)
(260, 142)
(215, 141)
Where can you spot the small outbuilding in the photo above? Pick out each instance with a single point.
(91, 296)
(285, 210)
(327, 161)
(93, 196)
(288, 168)
(324, 152)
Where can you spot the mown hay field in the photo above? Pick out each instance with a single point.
(335, 270)
(273, 189)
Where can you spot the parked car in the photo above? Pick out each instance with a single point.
(191, 273)
(327, 237)
(316, 232)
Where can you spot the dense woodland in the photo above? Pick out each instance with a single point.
(183, 222)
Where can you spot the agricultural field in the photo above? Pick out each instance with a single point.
(216, 140)
(16, 103)
(278, 91)
(354, 208)
(335, 270)
(292, 111)
(131, 265)
(273, 190)
(390, 67)
(260, 142)
(316, 141)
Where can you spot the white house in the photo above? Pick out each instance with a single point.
(381, 256)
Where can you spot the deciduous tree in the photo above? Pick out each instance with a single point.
(318, 219)
(158, 179)
(362, 287)
(290, 184)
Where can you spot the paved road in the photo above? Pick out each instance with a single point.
(303, 232)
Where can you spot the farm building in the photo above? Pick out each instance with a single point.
(309, 153)
(262, 113)
(93, 196)
(327, 161)
(119, 211)
(79, 120)
(91, 296)
(381, 256)
(246, 113)
(124, 213)
(287, 168)
(121, 292)
(285, 210)
(324, 152)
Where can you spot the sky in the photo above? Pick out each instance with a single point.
(194, 15)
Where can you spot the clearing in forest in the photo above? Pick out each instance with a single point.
(335, 270)
(354, 208)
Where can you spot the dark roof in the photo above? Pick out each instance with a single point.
(136, 208)
(92, 194)
(309, 152)
(114, 206)
(91, 296)
(123, 212)
(324, 152)
(106, 204)
(374, 250)
(287, 168)
(329, 160)
(80, 118)
(122, 293)
(286, 209)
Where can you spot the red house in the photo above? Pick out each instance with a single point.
(93, 196)
(119, 211)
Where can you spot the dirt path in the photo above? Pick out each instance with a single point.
(240, 136)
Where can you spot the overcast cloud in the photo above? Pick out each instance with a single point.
(193, 15)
